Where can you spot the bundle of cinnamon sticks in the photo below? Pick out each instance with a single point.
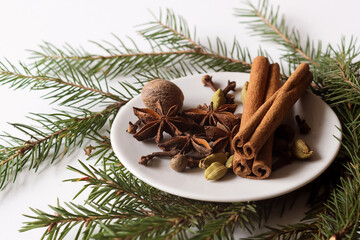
(266, 105)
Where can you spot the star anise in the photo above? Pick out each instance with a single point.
(221, 136)
(156, 122)
(187, 143)
(206, 116)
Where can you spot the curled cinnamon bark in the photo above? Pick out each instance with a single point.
(245, 133)
(261, 167)
(255, 96)
(284, 100)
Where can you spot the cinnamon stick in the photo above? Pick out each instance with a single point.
(255, 96)
(245, 133)
(274, 116)
(261, 167)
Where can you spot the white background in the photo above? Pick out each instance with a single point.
(25, 24)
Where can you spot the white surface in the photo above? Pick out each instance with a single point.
(318, 115)
(24, 24)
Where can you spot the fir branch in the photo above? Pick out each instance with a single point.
(338, 73)
(67, 87)
(56, 80)
(264, 22)
(174, 35)
(63, 220)
(61, 131)
(341, 217)
(171, 31)
(151, 213)
(125, 55)
(127, 63)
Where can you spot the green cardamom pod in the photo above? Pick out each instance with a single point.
(218, 99)
(215, 171)
(243, 92)
(229, 162)
(215, 157)
(301, 150)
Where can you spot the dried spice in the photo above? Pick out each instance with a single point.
(215, 157)
(207, 116)
(218, 99)
(301, 150)
(229, 98)
(280, 146)
(133, 127)
(179, 162)
(229, 162)
(269, 116)
(187, 143)
(303, 126)
(207, 81)
(285, 132)
(285, 159)
(168, 93)
(144, 160)
(192, 162)
(156, 122)
(221, 136)
(243, 92)
(215, 171)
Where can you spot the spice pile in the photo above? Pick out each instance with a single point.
(211, 136)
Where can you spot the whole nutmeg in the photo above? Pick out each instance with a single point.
(179, 162)
(160, 89)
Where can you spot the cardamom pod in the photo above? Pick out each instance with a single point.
(215, 171)
(229, 162)
(301, 150)
(218, 99)
(243, 92)
(215, 157)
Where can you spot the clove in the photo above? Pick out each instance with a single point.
(230, 87)
(145, 159)
(303, 126)
(207, 81)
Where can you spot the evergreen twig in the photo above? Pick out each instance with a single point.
(264, 21)
(61, 131)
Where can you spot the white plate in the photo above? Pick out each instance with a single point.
(192, 184)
